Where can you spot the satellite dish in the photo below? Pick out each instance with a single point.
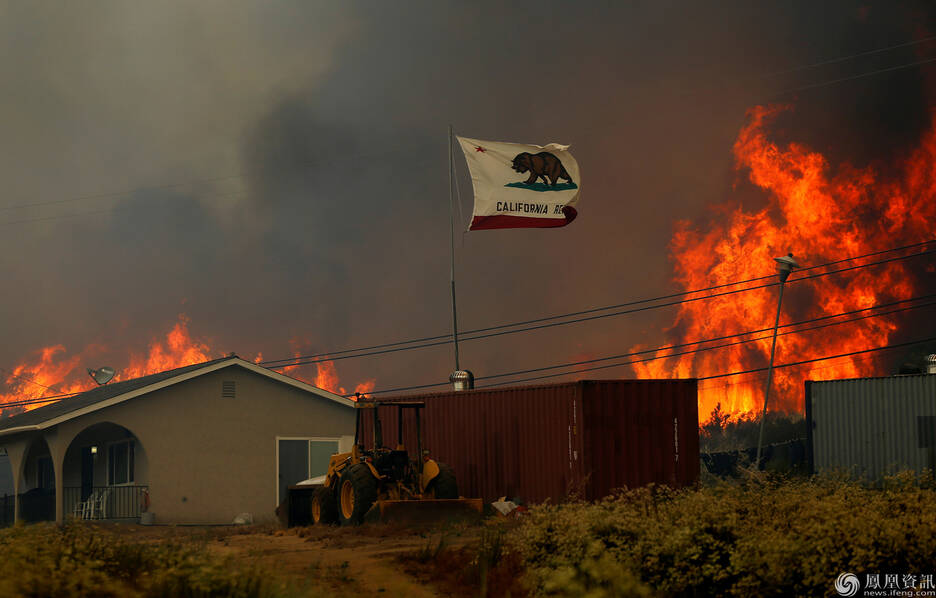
(102, 375)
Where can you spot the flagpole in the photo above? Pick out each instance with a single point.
(452, 233)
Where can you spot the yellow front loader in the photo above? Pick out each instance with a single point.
(386, 484)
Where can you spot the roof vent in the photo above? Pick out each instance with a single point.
(227, 389)
(931, 364)
(462, 380)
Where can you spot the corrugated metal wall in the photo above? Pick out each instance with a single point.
(647, 430)
(872, 426)
(545, 442)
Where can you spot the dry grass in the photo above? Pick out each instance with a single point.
(78, 561)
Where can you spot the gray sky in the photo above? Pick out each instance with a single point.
(315, 133)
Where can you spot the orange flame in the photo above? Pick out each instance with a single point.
(179, 350)
(42, 376)
(50, 371)
(326, 377)
(821, 214)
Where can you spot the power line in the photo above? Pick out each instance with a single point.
(761, 378)
(698, 350)
(25, 378)
(294, 364)
(726, 337)
(37, 400)
(851, 56)
(805, 361)
(689, 352)
(313, 359)
(859, 76)
(582, 312)
(572, 364)
(728, 374)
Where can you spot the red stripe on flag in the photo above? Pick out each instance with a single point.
(502, 221)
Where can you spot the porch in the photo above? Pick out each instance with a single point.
(99, 474)
(105, 503)
(97, 503)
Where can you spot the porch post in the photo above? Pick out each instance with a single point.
(57, 452)
(16, 451)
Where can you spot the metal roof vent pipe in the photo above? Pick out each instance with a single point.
(462, 380)
(931, 364)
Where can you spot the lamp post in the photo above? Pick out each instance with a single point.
(785, 265)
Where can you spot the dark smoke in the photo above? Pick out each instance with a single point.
(334, 231)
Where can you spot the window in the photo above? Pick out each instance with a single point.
(45, 476)
(300, 459)
(120, 463)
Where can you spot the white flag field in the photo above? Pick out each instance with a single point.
(521, 186)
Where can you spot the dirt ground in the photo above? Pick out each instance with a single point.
(370, 560)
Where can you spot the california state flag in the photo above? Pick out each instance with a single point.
(521, 186)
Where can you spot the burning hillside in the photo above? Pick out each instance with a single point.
(822, 213)
(53, 371)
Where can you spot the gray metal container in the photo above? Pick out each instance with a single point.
(872, 427)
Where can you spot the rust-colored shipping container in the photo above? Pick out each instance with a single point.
(549, 441)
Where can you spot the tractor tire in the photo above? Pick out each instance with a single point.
(444, 484)
(324, 507)
(357, 491)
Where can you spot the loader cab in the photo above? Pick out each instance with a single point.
(394, 464)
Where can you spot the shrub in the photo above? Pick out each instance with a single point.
(760, 537)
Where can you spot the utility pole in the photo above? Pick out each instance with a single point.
(785, 265)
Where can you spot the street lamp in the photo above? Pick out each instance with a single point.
(785, 265)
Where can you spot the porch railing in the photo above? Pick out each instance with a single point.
(104, 502)
(7, 509)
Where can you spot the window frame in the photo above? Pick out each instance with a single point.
(131, 466)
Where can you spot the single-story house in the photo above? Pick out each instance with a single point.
(199, 444)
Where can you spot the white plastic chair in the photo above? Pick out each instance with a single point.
(78, 510)
(84, 508)
(99, 504)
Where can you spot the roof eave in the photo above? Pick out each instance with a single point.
(175, 380)
(19, 430)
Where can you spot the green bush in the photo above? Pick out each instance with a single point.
(759, 538)
(47, 561)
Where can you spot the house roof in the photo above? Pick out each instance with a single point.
(117, 392)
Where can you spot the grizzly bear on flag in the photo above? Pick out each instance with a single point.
(501, 197)
(542, 165)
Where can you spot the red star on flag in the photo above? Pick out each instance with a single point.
(480, 149)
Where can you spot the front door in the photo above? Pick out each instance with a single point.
(87, 472)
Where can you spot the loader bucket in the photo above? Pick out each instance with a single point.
(425, 511)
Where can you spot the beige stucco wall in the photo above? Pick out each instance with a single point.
(205, 458)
